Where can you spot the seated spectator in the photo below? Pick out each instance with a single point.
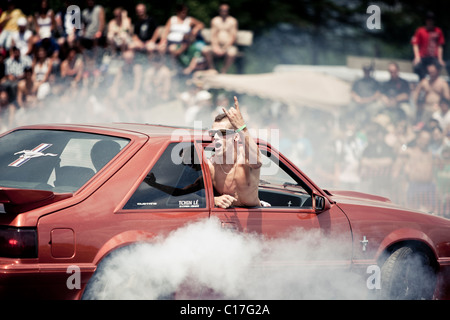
(119, 30)
(52, 49)
(144, 36)
(179, 32)
(395, 94)
(2, 65)
(15, 66)
(42, 68)
(192, 59)
(7, 111)
(429, 91)
(93, 20)
(72, 68)
(23, 38)
(443, 115)
(223, 37)
(44, 20)
(27, 90)
(8, 23)
(65, 27)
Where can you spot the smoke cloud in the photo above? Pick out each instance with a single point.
(202, 260)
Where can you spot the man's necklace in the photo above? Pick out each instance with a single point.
(224, 170)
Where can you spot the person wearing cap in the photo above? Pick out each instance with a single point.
(365, 93)
(8, 23)
(23, 38)
(427, 43)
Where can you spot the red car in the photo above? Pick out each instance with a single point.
(73, 194)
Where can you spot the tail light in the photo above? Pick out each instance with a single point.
(18, 242)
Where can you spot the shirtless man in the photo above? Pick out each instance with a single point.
(27, 90)
(236, 164)
(235, 167)
(417, 164)
(434, 87)
(223, 36)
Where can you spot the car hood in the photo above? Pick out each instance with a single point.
(358, 197)
(358, 205)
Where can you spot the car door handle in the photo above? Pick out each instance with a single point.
(229, 225)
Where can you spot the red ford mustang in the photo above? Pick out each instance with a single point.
(70, 195)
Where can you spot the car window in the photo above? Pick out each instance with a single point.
(175, 181)
(56, 160)
(278, 186)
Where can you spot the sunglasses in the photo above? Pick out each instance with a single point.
(220, 132)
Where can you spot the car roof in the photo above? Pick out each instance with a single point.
(151, 130)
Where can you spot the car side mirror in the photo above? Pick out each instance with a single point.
(321, 203)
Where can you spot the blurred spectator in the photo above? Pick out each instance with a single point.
(52, 50)
(349, 148)
(428, 93)
(128, 81)
(27, 90)
(438, 142)
(157, 80)
(395, 95)
(417, 163)
(44, 20)
(376, 163)
(400, 136)
(7, 110)
(179, 32)
(65, 27)
(23, 38)
(365, 93)
(197, 103)
(443, 182)
(192, 59)
(427, 44)
(223, 37)
(119, 30)
(144, 36)
(2, 65)
(93, 18)
(8, 23)
(72, 68)
(443, 115)
(42, 68)
(15, 66)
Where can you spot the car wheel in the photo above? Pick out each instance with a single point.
(110, 283)
(407, 274)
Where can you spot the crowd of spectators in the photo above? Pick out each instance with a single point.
(393, 140)
(111, 69)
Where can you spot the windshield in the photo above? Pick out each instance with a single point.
(59, 161)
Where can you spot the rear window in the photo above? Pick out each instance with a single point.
(60, 161)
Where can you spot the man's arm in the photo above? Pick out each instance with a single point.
(252, 154)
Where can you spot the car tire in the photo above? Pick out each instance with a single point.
(407, 274)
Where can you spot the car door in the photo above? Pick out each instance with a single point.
(298, 211)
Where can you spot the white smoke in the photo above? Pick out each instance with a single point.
(202, 260)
